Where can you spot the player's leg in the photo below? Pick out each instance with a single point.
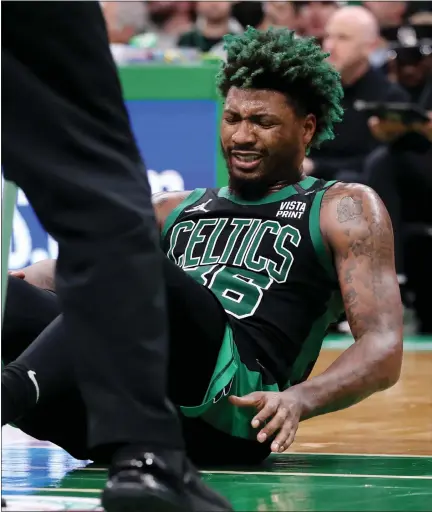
(197, 326)
(39, 393)
(28, 310)
(197, 323)
(60, 418)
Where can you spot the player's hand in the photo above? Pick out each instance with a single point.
(17, 273)
(281, 410)
(385, 130)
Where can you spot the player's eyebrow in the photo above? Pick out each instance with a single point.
(259, 113)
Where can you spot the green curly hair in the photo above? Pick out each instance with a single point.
(277, 60)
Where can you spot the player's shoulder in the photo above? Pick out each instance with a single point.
(352, 207)
(162, 198)
(340, 190)
(165, 202)
(174, 198)
(350, 199)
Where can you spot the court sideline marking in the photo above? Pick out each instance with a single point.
(255, 473)
(336, 475)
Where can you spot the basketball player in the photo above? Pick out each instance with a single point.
(255, 272)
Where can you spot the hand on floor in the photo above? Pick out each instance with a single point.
(282, 411)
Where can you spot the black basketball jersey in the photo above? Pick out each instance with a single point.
(267, 264)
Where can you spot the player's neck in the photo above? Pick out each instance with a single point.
(259, 190)
(286, 183)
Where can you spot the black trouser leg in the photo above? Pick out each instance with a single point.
(68, 144)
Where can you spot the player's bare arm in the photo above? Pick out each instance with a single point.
(165, 202)
(357, 229)
(42, 273)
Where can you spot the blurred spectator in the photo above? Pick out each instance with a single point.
(213, 22)
(412, 61)
(415, 7)
(351, 36)
(248, 13)
(313, 17)
(388, 14)
(279, 14)
(401, 171)
(124, 20)
(170, 18)
(146, 24)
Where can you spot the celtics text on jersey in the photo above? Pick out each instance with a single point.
(268, 266)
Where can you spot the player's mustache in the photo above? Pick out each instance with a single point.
(246, 148)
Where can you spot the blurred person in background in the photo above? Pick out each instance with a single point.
(351, 36)
(314, 16)
(415, 7)
(214, 20)
(123, 20)
(248, 13)
(279, 14)
(170, 18)
(401, 170)
(146, 24)
(388, 15)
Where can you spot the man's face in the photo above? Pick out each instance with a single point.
(263, 140)
(314, 16)
(160, 11)
(216, 11)
(345, 42)
(412, 67)
(281, 14)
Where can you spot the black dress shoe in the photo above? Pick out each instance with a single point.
(3, 502)
(160, 482)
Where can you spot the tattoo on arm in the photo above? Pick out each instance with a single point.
(364, 257)
(349, 208)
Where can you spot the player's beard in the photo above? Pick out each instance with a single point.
(274, 170)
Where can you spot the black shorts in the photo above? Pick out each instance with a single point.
(197, 324)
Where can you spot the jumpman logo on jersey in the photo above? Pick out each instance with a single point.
(200, 207)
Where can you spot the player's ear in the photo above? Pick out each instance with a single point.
(309, 127)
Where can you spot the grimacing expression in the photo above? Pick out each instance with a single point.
(263, 140)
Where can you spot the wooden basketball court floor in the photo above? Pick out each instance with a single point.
(376, 456)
